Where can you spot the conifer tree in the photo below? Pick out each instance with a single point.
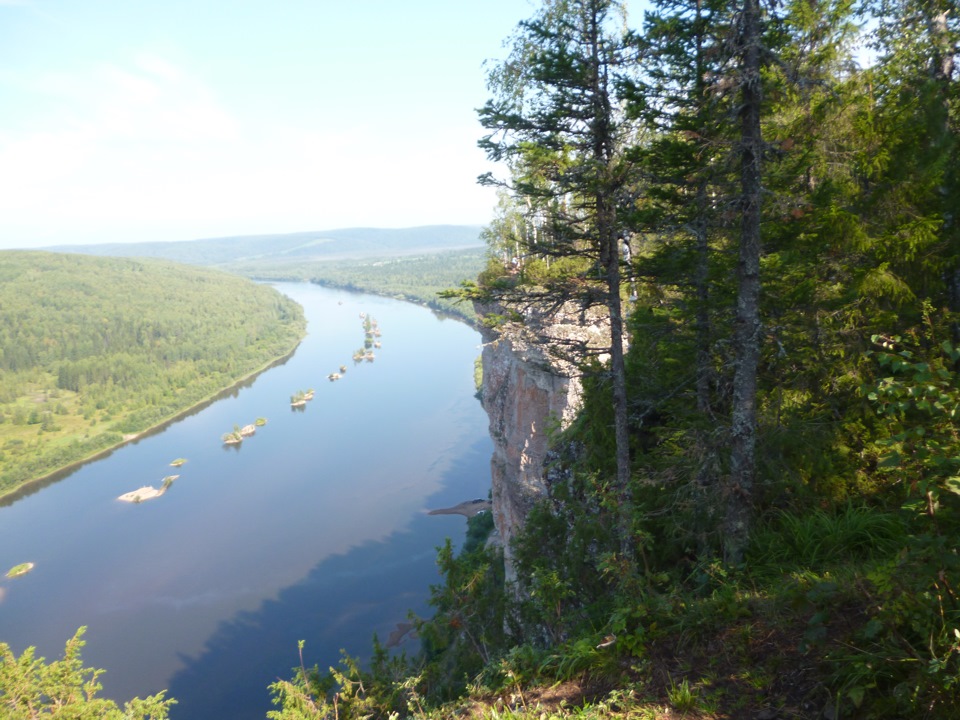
(682, 158)
(701, 80)
(910, 204)
(555, 119)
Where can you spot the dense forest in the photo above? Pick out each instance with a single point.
(757, 513)
(95, 349)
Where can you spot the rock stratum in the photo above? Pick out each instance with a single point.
(531, 390)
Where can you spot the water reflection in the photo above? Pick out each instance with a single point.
(246, 528)
(338, 606)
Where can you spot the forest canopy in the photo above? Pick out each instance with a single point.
(95, 349)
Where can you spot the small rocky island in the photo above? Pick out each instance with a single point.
(239, 433)
(19, 570)
(148, 492)
(301, 398)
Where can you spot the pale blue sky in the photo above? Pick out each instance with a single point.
(132, 120)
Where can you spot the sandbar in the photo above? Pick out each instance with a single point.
(148, 492)
(467, 509)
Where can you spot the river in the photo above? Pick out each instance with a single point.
(315, 528)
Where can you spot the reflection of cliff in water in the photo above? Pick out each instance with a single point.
(341, 603)
(231, 392)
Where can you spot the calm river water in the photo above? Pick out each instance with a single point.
(315, 528)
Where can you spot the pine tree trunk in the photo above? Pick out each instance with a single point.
(739, 490)
(618, 371)
(609, 242)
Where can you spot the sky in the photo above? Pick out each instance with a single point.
(168, 120)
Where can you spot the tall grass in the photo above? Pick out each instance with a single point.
(819, 538)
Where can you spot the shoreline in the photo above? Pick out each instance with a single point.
(27, 487)
(420, 302)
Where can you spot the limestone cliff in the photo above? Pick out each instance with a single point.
(531, 388)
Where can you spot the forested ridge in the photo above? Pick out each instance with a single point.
(287, 248)
(93, 349)
(414, 264)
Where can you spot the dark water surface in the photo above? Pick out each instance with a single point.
(314, 528)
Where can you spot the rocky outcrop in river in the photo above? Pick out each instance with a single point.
(531, 388)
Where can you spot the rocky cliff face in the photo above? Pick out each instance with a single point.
(530, 390)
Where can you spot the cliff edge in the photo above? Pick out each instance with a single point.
(531, 390)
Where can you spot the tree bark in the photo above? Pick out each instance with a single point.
(747, 327)
(609, 244)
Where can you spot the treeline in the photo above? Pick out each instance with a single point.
(757, 513)
(419, 278)
(95, 348)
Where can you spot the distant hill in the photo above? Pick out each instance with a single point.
(319, 245)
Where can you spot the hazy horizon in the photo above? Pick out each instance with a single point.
(197, 120)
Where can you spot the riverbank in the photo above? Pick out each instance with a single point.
(428, 301)
(126, 346)
(28, 487)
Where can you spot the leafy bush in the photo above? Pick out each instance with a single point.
(30, 687)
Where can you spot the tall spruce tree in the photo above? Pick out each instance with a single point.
(692, 109)
(910, 203)
(747, 322)
(681, 159)
(555, 118)
(683, 97)
(790, 64)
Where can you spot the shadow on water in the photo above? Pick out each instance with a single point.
(35, 486)
(340, 604)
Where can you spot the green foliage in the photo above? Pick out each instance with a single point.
(18, 570)
(564, 557)
(92, 349)
(478, 377)
(30, 687)
(386, 690)
(681, 696)
(468, 629)
(479, 528)
(820, 538)
(846, 604)
(919, 402)
(907, 655)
